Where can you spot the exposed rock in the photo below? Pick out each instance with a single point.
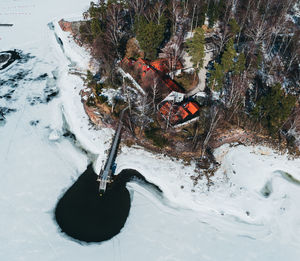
(65, 26)
(72, 28)
(90, 111)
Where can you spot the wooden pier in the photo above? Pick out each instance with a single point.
(105, 175)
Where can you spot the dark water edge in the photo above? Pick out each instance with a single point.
(85, 216)
(14, 56)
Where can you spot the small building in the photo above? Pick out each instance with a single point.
(149, 70)
(173, 106)
(179, 113)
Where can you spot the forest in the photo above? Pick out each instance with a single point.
(252, 79)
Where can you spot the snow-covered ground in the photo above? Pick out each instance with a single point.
(250, 213)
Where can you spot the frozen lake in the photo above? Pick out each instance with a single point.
(39, 162)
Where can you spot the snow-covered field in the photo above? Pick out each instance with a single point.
(250, 213)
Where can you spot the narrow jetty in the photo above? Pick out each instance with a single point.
(106, 173)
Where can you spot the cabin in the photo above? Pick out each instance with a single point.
(179, 113)
(162, 65)
(147, 71)
(176, 111)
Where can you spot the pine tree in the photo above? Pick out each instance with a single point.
(274, 108)
(150, 35)
(240, 65)
(212, 13)
(195, 47)
(216, 77)
(234, 27)
(230, 62)
(95, 27)
(215, 11)
(228, 56)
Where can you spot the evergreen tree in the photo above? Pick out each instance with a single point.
(95, 27)
(274, 108)
(217, 77)
(228, 56)
(215, 11)
(150, 35)
(212, 13)
(195, 47)
(201, 15)
(230, 62)
(234, 27)
(240, 65)
(98, 11)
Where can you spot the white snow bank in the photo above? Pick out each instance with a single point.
(161, 170)
(237, 186)
(92, 139)
(73, 51)
(237, 202)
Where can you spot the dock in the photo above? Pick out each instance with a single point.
(105, 175)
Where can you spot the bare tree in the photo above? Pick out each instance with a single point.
(156, 11)
(170, 114)
(173, 52)
(235, 94)
(294, 50)
(258, 29)
(295, 121)
(138, 6)
(155, 93)
(225, 33)
(115, 24)
(214, 119)
(243, 14)
(127, 95)
(142, 112)
(176, 14)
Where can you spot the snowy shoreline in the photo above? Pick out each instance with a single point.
(172, 176)
(86, 134)
(251, 212)
(236, 192)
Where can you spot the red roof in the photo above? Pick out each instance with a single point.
(163, 66)
(165, 109)
(155, 66)
(179, 113)
(141, 60)
(192, 107)
(172, 85)
(160, 65)
(182, 112)
(127, 61)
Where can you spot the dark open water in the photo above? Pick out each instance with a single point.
(85, 216)
(14, 56)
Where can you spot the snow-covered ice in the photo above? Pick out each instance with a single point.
(250, 213)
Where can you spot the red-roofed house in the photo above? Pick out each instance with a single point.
(145, 71)
(172, 85)
(160, 65)
(192, 107)
(179, 113)
(157, 68)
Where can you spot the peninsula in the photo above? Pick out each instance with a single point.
(194, 75)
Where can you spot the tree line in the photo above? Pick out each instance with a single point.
(255, 65)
